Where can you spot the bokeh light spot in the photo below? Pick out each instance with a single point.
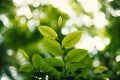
(65, 31)
(96, 63)
(117, 58)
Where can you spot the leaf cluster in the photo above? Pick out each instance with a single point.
(69, 57)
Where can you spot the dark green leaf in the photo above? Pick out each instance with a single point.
(72, 67)
(52, 46)
(86, 62)
(46, 67)
(37, 61)
(48, 32)
(71, 39)
(75, 55)
(26, 68)
(52, 71)
(54, 62)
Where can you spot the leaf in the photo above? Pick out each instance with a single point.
(54, 62)
(86, 62)
(71, 39)
(71, 67)
(60, 21)
(49, 69)
(101, 69)
(52, 46)
(37, 61)
(46, 68)
(75, 55)
(23, 53)
(48, 32)
(26, 68)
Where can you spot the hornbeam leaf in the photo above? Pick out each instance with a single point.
(52, 46)
(48, 32)
(75, 55)
(71, 39)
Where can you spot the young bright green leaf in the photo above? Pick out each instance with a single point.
(37, 61)
(60, 21)
(23, 53)
(52, 46)
(48, 32)
(26, 68)
(101, 69)
(71, 39)
(75, 55)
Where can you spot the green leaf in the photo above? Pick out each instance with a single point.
(52, 46)
(26, 68)
(49, 69)
(48, 32)
(23, 53)
(71, 39)
(54, 62)
(37, 61)
(60, 21)
(101, 69)
(86, 62)
(71, 67)
(75, 55)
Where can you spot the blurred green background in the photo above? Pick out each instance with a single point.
(99, 20)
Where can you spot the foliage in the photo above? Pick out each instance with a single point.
(42, 54)
(52, 65)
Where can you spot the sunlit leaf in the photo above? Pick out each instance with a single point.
(26, 68)
(75, 55)
(60, 21)
(48, 32)
(71, 39)
(101, 69)
(52, 46)
(37, 61)
(23, 53)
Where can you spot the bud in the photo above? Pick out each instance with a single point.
(60, 21)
